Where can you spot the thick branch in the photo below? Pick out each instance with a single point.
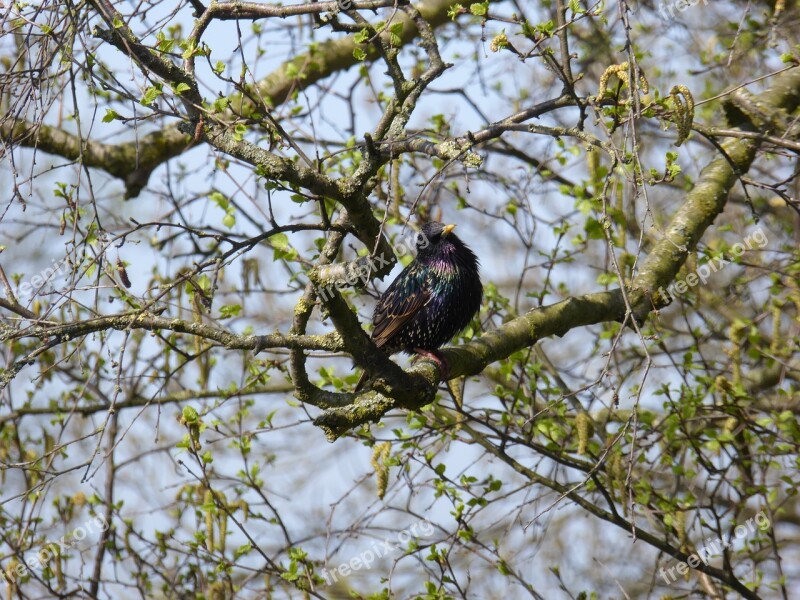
(149, 322)
(130, 161)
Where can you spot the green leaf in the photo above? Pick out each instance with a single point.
(221, 103)
(242, 550)
(110, 115)
(575, 7)
(362, 36)
(454, 11)
(189, 414)
(394, 34)
(191, 50)
(279, 241)
(230, 310)
(220, 200)
(150, 95)
(479, 9)
(594, 229)
(164, 44)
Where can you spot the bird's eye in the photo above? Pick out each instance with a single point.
(422, 241)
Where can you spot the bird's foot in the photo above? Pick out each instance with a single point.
(440, 360)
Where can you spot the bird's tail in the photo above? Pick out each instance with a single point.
(360, 383)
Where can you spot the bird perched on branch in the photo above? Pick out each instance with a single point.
(433, 299)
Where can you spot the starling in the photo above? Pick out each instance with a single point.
(433, 299)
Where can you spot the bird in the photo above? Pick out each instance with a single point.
(431, 300)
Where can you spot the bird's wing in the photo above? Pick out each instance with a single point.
(397, 306)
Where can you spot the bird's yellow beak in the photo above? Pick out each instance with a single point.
(447, 229)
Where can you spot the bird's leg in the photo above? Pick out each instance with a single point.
(440, 360)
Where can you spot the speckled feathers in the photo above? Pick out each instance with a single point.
(433, 298)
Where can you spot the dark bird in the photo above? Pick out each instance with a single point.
(433, 299)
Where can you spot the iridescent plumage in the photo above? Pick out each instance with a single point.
(432, 299)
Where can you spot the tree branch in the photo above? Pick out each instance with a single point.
(702, 205)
